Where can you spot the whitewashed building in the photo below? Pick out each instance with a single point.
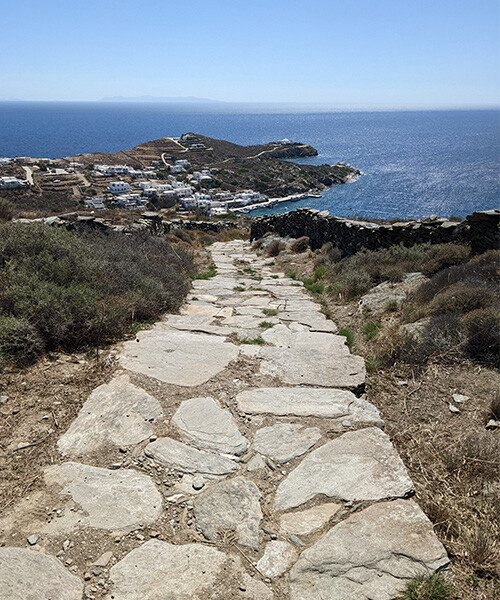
(119, 187)
(8, 183)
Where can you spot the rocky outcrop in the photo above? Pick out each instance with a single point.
(480, 230)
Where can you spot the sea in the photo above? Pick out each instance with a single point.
(414, 163)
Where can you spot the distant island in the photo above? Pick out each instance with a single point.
(167, 99)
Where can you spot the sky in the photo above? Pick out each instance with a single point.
(408, 52)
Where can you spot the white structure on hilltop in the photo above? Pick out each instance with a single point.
(7, 183)
(176, 168)
(285, 141)
(5, 161)
(183, 162)
(202, 176)
(119, 187)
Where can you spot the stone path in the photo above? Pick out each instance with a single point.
(232, 456)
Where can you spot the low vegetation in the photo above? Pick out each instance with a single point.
(64, 291)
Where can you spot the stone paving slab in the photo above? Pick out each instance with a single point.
(186, 459)
(358, 465)
(107, 499)
(233, 504)
(161, 571)
(176, 357)
(203, 424)
(370, 555)
(30, 575)
(310, 402)
(308, 521)
(284, 441)
(117, 413)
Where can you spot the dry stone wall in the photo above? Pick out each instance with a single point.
(480, 230)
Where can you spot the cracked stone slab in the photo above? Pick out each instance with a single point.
(231, 504)
(202, 423)
(369, 556)
(315, 322)
(310, 402)
(278, 557)
(186, 459)
(117, 413)
(30, 575)
(358, 465)
(177, 357)
(319, 359)
(107, 499)
(162, 571)
(197, 323)
(308, 521)
(284, 441)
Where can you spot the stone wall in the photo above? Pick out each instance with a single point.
(480, 230)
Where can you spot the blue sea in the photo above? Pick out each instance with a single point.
(414, 163)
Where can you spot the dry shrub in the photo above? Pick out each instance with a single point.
(461, 297)
(183, 235)
(20, 342)
(331, 252)
(6, 210)
(300, 245)
(495, 406)
(442, 256)
(275, 247)
(483, 335)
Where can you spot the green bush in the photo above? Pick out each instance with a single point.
(20, 342)
(442, 256)
(85, 290)
(427, 587)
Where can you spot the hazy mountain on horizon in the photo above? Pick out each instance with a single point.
(183, 99)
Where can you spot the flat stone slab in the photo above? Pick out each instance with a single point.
(285, 441)
(202, 423)
(308, 521)
(358, 465)
(370, 555)
(117, 413)
(315, 321)
(319, 359)
(30, 575)
(231, 504)
(386, 293)
(176, 357)
(186, 459)
(161, 571)
(309, 402)
(107, 499)
(278, 557)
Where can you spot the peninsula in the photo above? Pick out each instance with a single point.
(189, 173)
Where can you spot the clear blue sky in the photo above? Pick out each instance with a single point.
(332, 51)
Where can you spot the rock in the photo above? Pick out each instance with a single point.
(198, 483)
(4, 399)
(205, 425)
(284, 441)
(254, 589)
(176, 455)
(341, 405)
(369, 555)
(416, 330)
(161, 571)
(278, 557)
(103, 560)
(453, 409)
(32, 540)
(387, 293)
(232, 504)
(29, 575)
(492, 424)
(315, 321)
(460, 398)
(300, 358)
(359, 465)
(308, 521)
(256, 463)
(296, 540)
(117, 413)
(112, 500)
(175, 357)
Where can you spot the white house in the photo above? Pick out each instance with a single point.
(183, 162)
(12, 182)
(176, 168)
(5, 161)
(189, 203)
(118, 187)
